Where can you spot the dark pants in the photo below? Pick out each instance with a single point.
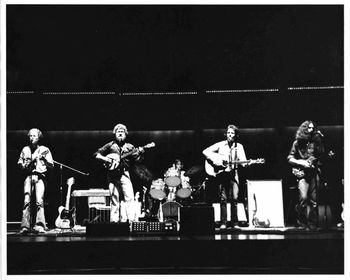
(307, 197)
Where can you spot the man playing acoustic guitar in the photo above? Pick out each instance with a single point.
(35, 160)
(305, 157)
(117, 157)
(222, 162)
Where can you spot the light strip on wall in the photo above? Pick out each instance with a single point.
(20, 92)
(312, 88)
(80, 93)
(159, 93)
(242, 90)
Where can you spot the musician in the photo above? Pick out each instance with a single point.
(306, 157)
(178, 167)
(35, 160)
(119, 183)
(227, 179)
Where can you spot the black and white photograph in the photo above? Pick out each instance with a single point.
(170, 138)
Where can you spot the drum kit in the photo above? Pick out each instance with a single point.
(173, 191)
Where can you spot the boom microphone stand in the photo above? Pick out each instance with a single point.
(61, 178)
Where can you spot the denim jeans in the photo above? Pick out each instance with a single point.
(121, 190)
(307, 197)
(35, 183)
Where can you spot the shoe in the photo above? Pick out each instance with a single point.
(340, 225)
(223, 226)
(23, 230)
(39, 229)
(301, 225)
(312, 227)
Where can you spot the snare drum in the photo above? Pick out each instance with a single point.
(158, 189)
(172, 177)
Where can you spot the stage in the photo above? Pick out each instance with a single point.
(231, 251)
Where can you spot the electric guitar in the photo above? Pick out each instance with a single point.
(114, 158)
(301, 172)
(258, 221)
(221, 164)
(65, 219)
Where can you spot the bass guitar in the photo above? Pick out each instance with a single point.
(65, 219)
(221, 163)
(114, 158)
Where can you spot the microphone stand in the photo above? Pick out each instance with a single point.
(61, 179)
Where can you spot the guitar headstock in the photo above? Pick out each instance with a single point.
(70, 181)
(137, 196)
(258, 161)
(149, 145)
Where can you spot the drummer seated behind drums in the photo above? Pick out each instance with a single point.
(175, 178)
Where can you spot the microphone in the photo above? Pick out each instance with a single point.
(319, 133)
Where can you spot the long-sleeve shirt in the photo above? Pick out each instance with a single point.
(37, 165)
(113, 147)
(222, 151)
(306, 150)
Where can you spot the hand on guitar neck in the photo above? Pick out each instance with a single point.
(220, 163)
(65, 219)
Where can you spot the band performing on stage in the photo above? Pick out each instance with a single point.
(160, 199)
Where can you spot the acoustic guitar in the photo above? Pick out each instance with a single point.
(221, 163)
(65, 219)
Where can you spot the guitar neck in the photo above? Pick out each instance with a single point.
(135, 149)
(68, 196)
(239, 162)
(128, 153)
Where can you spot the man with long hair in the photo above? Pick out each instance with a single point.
(306, 157)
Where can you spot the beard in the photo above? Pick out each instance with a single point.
(120, 139)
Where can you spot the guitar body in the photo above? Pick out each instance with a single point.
(65, 219)
(114, 161)
(213, 169)
(298, 172)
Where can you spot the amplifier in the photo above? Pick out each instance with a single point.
(93, 205)
(91, 192)
(197, 220)
(149, 227)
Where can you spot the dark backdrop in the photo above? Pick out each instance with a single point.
(76, 71)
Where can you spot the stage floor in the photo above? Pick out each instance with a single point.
(231, 251)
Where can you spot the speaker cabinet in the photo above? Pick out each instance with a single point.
(107, 229)
(197, 220)
(265, 202)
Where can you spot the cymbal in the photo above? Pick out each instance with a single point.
(143, 173)
(196, 170)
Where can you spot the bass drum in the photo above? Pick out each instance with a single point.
(157, 190)
(170, 211)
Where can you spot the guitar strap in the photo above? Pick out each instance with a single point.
(233, 171)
